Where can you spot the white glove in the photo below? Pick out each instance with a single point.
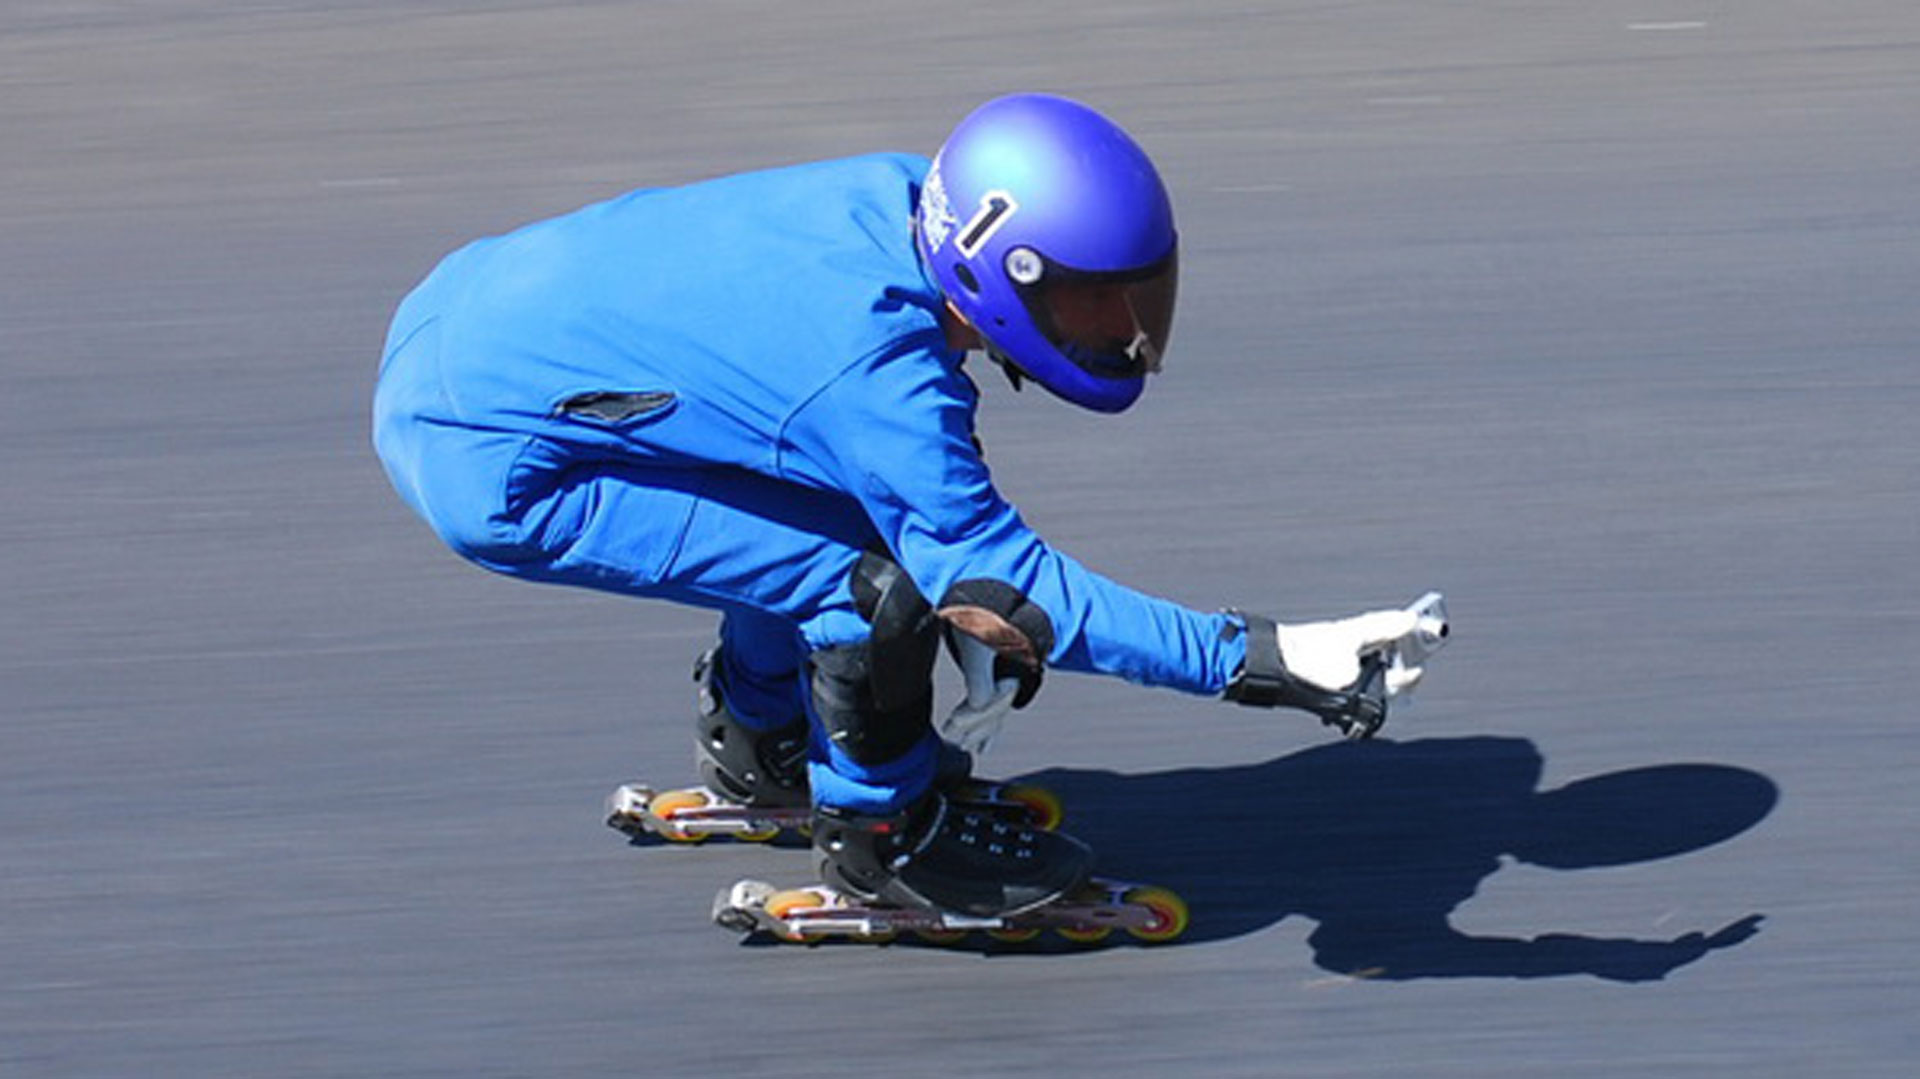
(973, 726)
(975, 721)
(1328, 654)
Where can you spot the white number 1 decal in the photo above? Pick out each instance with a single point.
(995, 208)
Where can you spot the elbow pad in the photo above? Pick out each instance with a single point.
(1001, 617)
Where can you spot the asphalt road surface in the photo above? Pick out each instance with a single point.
(1600, 317)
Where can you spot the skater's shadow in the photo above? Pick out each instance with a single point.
(1377, 842)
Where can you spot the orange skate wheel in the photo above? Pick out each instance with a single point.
(1170, 917)
(672, 803)
(783, 905)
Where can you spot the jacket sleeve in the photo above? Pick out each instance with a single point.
(898, 436)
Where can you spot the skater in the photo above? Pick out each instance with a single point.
(747, 394)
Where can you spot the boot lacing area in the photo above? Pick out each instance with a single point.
(976, 830)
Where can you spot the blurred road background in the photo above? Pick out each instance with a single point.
(1600, 317)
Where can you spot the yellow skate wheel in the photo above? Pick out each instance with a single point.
(672, 803)
(1044, 809)
(1014, 934)
(941, 936)
(783, 904)
(759, 835)
(1170, 917)
(1085, 934)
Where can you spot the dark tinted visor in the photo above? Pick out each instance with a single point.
(1111, 325)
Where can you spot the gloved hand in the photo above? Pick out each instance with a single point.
(1328, 654)
(972, 725)
(996, 687)
(1315, 666)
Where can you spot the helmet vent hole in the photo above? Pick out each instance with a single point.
(965, 274)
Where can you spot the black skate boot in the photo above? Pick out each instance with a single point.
(935, 855)
(754, 767)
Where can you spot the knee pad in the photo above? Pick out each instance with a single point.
(858, 720)
(875, 698)
(906, 632)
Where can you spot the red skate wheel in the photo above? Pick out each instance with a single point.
(1170, 916)
(1044, 809)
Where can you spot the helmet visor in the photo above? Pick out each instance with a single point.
(1111, 325)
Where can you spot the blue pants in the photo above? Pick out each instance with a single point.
(775, 558)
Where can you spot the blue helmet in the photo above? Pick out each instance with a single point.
(1049, 231)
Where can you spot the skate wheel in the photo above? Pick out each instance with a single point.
(667, 806)
(941, 936)
(1014, 935)
(1044, 808)
(1170, 917)
(783, 905)
(1089, 934)
(759, 835)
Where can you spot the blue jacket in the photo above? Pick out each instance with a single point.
(777, 322)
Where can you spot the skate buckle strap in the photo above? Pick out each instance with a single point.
(926, 836)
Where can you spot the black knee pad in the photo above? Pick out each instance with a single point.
(875, 699)
(906, 632)
(853, 714)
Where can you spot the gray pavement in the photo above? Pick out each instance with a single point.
(1599, 317)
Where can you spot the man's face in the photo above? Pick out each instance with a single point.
(1099, 322)
(1093, 315)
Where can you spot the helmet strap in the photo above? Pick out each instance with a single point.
(1016, 376)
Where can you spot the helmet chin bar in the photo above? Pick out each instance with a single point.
(1016, 375)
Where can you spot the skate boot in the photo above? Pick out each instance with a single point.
(760, 768)
(938, 855)
(755, 781)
